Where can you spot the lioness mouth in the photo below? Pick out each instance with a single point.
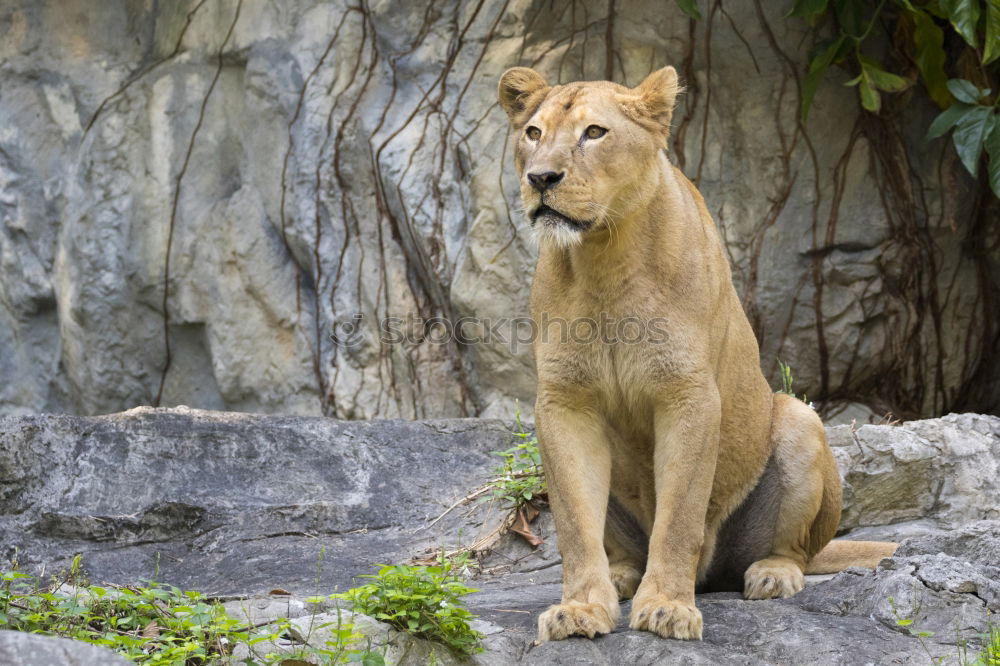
(552, 216)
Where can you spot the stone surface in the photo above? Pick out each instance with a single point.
(238, 504)
(977, 542)
(944, 471)
(230, 502)
(396, 647)
(20, 649)
(194, 196)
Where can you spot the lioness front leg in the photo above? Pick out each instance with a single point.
(684, 458)
(577, 461)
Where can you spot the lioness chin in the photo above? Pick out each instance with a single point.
(670, 463)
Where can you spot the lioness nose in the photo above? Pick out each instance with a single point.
(545, 180)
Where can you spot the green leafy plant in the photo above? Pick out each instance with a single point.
(425, 601)
(520, 478)
(152, 624)
(923, 29)
(977, 128)
(990, 655)
(787, 382)
(951, 47)
(517, 483)
(930, 38)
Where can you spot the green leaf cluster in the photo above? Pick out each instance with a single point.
(930, 38)
(917, 27)
(977, 128)
(871, 80)
(425, 601)
(152, 624)
(520, 478)
(934, 37)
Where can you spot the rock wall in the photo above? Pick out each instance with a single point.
(220, 203)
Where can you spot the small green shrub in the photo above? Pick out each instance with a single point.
(520, 478)
(153, 624)
(425, 601)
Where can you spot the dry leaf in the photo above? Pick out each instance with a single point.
(525, 515)
(151, 631)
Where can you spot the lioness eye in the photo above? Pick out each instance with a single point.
(534, 133)
(595, 132)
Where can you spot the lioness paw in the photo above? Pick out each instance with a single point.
(626, 579)
(666, 617)
(772, 578)
(575, 618)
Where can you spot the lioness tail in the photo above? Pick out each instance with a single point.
(839, 555)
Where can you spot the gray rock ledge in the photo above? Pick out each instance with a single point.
(237, 505)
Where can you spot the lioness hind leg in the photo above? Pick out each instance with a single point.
(773, 577)
(625, 576)
(626, 544)
(809, 505)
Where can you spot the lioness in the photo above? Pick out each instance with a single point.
(670, 462)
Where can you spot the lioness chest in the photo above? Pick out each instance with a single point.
(619, 348)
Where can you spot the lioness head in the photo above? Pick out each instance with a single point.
(584, 149)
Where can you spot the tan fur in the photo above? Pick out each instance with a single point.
(679, 431)
(839, 555)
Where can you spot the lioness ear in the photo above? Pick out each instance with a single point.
(521, 89)
(651, 103)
